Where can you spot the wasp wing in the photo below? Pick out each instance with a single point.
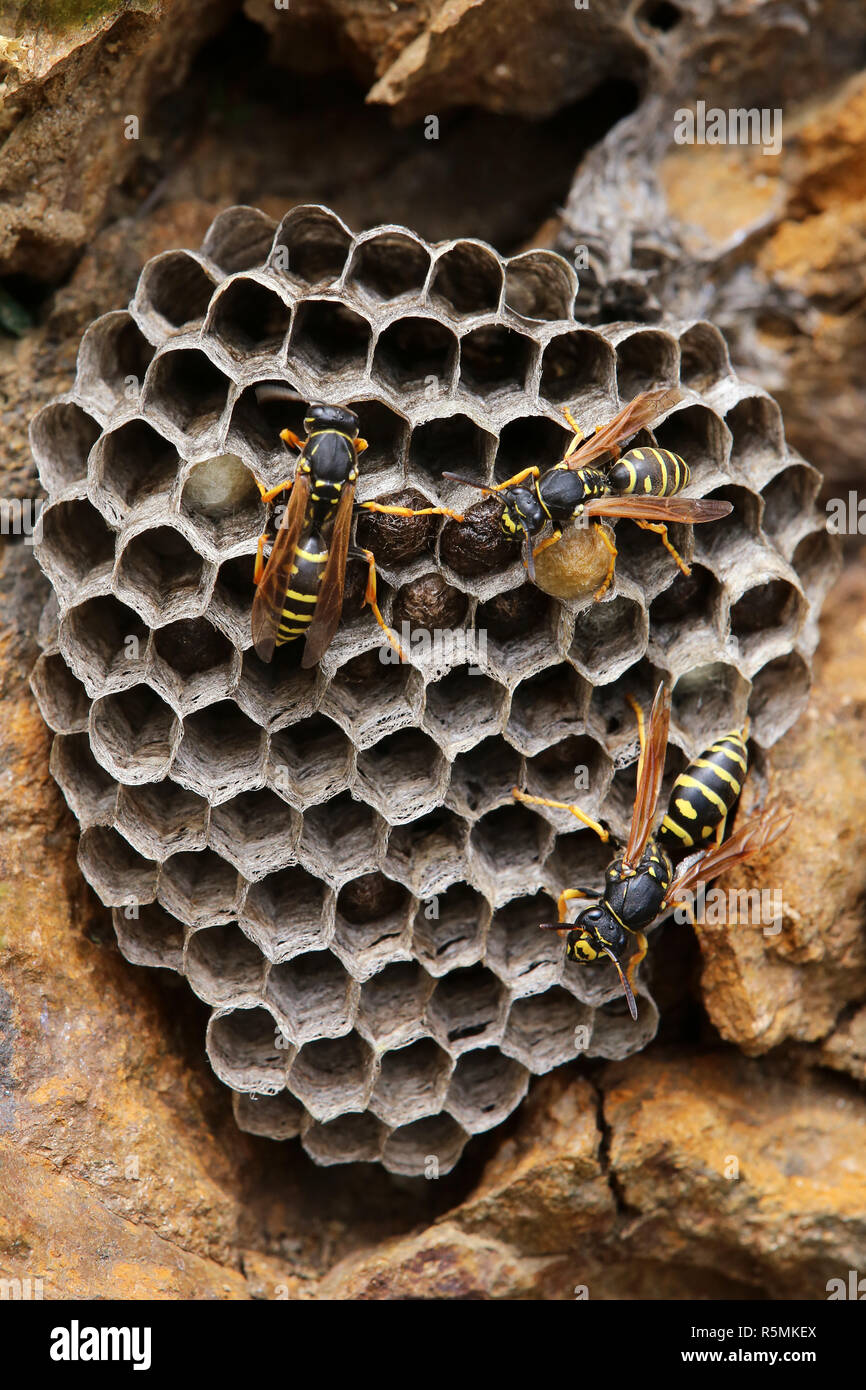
(271, 592)
(746, 841)
(650, 770)
(637, 415)
(640, 508)
(329, 604)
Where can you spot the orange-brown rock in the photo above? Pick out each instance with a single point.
(712, 1177)
(760, 987)
(845, 1049)
(70, 87)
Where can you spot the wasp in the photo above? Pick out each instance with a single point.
(645, 882)
(300, 588)
(639, 485)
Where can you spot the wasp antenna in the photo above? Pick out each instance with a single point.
(272, 391)
(468, 482)
(626, 987)
(530, 558)
(553, 926)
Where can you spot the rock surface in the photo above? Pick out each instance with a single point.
(69, 89)
(762, 987)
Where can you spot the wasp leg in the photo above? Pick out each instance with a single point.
(578, 433)
(599, 593)
(661, 530)
(268, 494)
(636, 959)
(562, 806)
(638, 714)
(412, 511)
(289, 437)
(259, 568)
(550, 540)
(568, 894)
(370, 598)
(533, 472)
(361, 445)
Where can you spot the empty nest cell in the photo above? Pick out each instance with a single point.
(389, 266)
(62, 436)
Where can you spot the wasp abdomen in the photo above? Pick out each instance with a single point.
(651, 472)
(305, 582)
(703, 795)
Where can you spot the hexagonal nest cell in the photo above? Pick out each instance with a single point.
(333, 858)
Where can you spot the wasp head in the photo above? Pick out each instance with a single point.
(597, 934)
(522, 513)
(331, 417)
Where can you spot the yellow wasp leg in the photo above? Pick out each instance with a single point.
(259, 568)
(638, 714)
(636, 959)
(533, 472)
(599, 593)
(661, 530)
(567, 895)
(410, 511)
(268, 494)
(578, 433)
(289, 437)
(370, 598)
(542, 545)
(562, 806)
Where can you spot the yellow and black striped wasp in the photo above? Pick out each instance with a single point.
(642, 883)
(300, 588)
(639, 485)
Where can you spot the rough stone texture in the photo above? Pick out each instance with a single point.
(66, 88)
(760, 990)
(333, 858)
(771, 248)
(697, 1153)
(102, 1065)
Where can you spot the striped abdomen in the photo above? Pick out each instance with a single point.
(305, 581)
(704, 794)
(655, 472)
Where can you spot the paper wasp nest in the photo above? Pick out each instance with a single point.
(333, 858)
